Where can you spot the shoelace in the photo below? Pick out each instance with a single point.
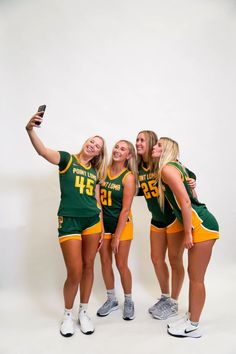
(129, 305)
(107, 303)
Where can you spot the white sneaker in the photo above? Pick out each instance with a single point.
(185, 329)
(178, 321)
(67, 326)
(86, 325)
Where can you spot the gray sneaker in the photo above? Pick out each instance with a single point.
(166, 310)
(107, 307)
(128, 312)
(157, 305)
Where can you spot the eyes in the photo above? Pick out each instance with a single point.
(122, 148)
(92, 141)
(140, 140)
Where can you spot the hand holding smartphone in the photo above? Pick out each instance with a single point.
(41, 109)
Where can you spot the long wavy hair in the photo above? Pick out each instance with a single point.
(131, 163)
(170, 152)
(151, 139)
(99, 162)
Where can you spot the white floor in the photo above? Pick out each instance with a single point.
(30, 322)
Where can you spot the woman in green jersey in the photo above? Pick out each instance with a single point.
(200, 231)
(79, 225)
(166, 232)
(117, 194)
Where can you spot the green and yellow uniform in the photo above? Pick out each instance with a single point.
(78, 211)
(111, 200)
(204, 224)
(160, 220)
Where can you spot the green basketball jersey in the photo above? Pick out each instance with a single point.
(147, 181)
(112, 194)
(77, 183)
(200, 213)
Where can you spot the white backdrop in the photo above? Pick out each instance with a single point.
(111, 68)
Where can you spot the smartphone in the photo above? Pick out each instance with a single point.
(42, 110)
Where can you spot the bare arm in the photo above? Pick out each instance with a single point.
(172, 177)
(49, 154)
(128, 195)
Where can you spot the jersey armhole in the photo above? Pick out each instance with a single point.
(123, 179)
(180, 172)
(67, 166)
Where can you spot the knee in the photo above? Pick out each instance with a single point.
(176, 261)
(194, 278)
(74, 276)
(88, 265)
(157, 261)
(121, 266)
(106, 262)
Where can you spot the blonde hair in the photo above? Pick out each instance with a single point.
(151, 139)
(170, 152)
(131, 163)
(99, 162)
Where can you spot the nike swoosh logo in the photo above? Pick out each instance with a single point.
(185, 331)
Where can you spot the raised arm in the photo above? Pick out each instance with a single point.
(128, 195)
(49, 154)
(172, 177)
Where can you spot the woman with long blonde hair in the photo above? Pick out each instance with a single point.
(200, 231)
(79, 225)
(166, 232)
(117, 194)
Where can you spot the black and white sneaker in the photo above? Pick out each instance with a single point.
(185, 329)
(85, 322)
(67, 326)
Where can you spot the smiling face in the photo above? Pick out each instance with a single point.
(157, 149)
(141, 144)
(120, 152)
(93, 146)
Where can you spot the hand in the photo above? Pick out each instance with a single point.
(192, 183)
(115, 244)
(33, 122)
(188, 241)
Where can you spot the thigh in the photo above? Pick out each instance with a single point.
(90, 245)
(123, 251)
(175, 242)
(198, 259)
(158, 242)
(71, 250)
(105, 250)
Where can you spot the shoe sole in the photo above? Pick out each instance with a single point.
(108, 313)
(187, 335)
(67, 335)
(129, 318)
(88, 332)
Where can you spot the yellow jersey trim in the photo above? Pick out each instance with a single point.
(80, 163)
(116, 176)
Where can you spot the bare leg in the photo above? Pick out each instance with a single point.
(175, 253)
(122, 265)
(198, 260)
(89, 249)
(71, 250)
(158, 253)
(106, 263)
